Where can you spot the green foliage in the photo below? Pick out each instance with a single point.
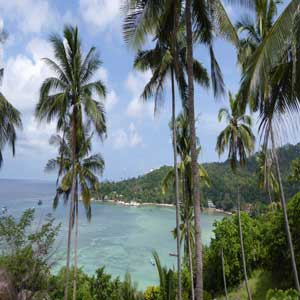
(186, 283)
(278, 259)
(57, 285)
(167, 280)
(26, 250)
(227, 237)
(10, 117)
(294, 177)
(237, 137)
(266, 247)
(103, 287)
(222, 189)
(152, 293)
(129, 289)
(87, 167)
(145, 188)
(260, 283)
(100, 286)
(283, 295)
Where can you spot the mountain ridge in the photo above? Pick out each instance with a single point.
(222, 192)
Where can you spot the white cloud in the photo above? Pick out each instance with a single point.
(136, 108)
(102, 73)
(24, 76)
(111, 96)
(111, 100)
(39, 49)
(134, 138)
(127, 138)
(35, 136)
(120, 139)
(100, 13)
(208, 124)
(29, 15)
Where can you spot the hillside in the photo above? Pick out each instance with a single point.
(147, 188)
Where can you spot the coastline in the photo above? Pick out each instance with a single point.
(138, 204)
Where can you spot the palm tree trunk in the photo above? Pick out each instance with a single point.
(270, 196)
(75, 244)
(194, 164)
(176, 187)
(242, 246)
(69, 245)
(269, 192)
(286, 220)
(190, 260)
(186, 201)
(73, 196)
(224, 275)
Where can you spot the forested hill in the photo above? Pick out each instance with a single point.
(147, 188)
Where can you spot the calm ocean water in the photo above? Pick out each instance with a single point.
(119, 238)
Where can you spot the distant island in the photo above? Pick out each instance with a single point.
(222, 191)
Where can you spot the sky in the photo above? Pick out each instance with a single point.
(137, 141)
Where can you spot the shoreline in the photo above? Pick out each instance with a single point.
(138, 204)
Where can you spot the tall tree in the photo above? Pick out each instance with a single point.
(69, 96)
(207, 18)
(266, 177)
(166, 279)
(87, 168)
(270, 70)
(162, 64)
(224, 274)
(185, 174)
(238, 138)
(10, 117)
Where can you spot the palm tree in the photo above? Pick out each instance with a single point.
(224, 274)
(69, 96)
(271, 44)
(266, 177)
(86, 170)
(10, 117)
(294, 176)
(184, 170)
(145, 17)
(162, 63)
(166, 279)
(238, 138)
(270, 72)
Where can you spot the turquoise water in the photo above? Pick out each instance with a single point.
(119, 238)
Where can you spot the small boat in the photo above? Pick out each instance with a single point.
(172, 254)
(40, 202)
(152, 262)
(4, 210)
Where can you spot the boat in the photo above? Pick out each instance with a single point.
(152, 262)
(40, 202)
(4, 210)
(172, 254)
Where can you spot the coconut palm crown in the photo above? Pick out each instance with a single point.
(10, 117)
(73, 86)
(88, 167)
(237, 136)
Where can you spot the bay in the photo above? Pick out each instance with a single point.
(120, 238)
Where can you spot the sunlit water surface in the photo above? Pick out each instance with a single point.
(119, 238)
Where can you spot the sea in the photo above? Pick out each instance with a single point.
(121, 238)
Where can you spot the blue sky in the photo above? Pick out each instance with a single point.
(137, 141)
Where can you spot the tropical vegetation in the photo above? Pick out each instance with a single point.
(221, 190)
(69, 98)
(259, 242)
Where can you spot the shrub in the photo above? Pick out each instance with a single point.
(26, 250)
